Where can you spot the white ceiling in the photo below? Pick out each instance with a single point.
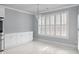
(33, 7)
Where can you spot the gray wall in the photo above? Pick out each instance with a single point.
(73, 18)
(17, 22)
(72, 30)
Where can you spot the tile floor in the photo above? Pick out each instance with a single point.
(38, 47)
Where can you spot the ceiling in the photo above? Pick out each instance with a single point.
(33, 7)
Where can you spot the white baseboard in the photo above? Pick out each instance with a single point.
(15, 39)
(58, 43)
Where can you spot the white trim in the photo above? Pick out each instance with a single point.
(41, 11)
(16, 39)
(57, 43)
(64, 7)
(16, 9)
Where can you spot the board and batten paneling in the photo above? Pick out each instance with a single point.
(16, 39)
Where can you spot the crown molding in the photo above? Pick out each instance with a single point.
(18, 10)
(27, 12)
(56, 9)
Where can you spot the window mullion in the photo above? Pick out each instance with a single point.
(60, 24)
(55, 25)
(41, 24)
(45, 24)
(49, 25)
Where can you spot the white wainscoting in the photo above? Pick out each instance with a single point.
(15, 39)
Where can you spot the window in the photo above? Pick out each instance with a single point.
(58, 26)
(39, 23)
(47, 25)
(53, 24)
(64, 22)
(43, 24)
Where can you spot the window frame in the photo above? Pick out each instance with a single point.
(56, 25)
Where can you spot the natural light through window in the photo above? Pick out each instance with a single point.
(53, 24)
